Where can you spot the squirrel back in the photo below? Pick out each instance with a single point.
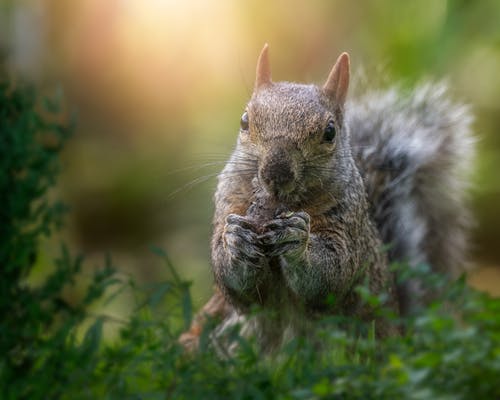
(315, 187)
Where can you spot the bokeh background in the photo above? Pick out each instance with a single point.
(159, 86)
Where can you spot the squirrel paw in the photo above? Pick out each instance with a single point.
(246, 257)
(287, 235)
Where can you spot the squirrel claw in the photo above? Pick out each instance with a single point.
(299, 220)
(235, 219)
(288, 235)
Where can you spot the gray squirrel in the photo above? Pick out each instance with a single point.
(322, 194)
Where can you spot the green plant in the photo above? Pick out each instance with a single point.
(38, 325)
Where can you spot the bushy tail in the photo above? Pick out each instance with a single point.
(414, 152)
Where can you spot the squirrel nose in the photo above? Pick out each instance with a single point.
(278, 177)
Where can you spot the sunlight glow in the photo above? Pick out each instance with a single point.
(148, 55)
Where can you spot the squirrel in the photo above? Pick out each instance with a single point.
(322, 194)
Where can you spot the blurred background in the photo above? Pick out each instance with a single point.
(159, 87)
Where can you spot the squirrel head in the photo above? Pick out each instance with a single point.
(295, 131)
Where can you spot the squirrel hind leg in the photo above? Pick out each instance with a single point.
(217, 307)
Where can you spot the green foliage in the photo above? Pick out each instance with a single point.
(441, 356)
(38, 325)
(448, 351)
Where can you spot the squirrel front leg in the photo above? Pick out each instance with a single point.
(313, 265)
(240, 265)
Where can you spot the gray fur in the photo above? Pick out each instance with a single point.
(395, 174)
(415, 152)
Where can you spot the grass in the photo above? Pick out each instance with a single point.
(440, 357)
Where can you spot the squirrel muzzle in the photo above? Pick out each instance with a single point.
(278, 173)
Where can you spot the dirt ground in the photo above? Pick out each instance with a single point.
(486, 278)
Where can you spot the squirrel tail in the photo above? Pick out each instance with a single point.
(414, 151)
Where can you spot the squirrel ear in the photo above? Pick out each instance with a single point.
(263, 76)
(337, 83)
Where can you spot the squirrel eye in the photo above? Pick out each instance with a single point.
(244, 122)
(330, 132)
